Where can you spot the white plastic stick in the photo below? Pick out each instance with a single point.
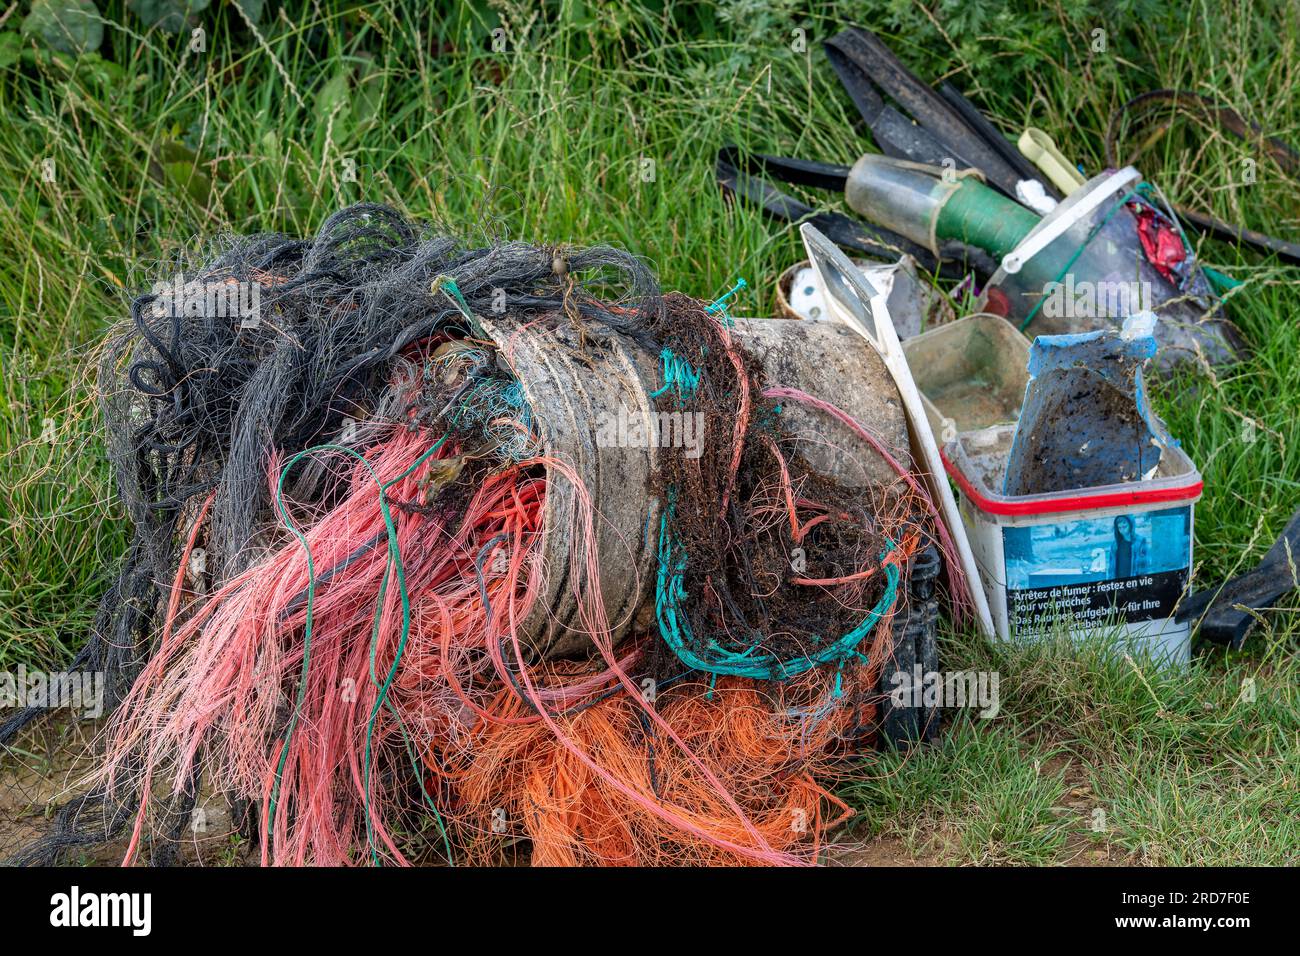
(854, 299)
(1053, 229)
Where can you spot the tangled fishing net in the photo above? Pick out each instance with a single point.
(340, 518)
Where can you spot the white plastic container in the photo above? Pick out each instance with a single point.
(1098, 557)
(972, 373)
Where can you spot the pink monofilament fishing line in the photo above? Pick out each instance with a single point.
(242, 648)
(164, 647)
(225, 690)
(439, 567)
(222, 684)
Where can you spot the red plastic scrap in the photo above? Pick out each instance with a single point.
(1160, 241)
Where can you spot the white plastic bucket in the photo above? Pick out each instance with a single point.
(1096, 557)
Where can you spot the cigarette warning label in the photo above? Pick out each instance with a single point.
(1147, 598)
(1128, 567)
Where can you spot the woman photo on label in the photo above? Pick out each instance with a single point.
(1127, 551)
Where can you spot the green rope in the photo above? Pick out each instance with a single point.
(1222, 284)
(719, 305)
(678, 374)
(448, 285)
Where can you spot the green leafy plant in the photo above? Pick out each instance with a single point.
(69, 26)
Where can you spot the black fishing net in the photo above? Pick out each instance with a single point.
(196, 397)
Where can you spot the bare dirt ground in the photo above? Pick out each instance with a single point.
(48, 767)
(878, 851)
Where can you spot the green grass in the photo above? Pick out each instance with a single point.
(1184, 767)
(554, 139)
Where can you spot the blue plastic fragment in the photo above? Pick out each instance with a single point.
(1086, 421)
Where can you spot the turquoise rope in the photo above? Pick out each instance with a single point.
(448, 285)
(1222, 284)
(753, 662)
(719, 305)
(678, 374)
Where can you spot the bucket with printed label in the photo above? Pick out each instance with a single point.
(1116, 556)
